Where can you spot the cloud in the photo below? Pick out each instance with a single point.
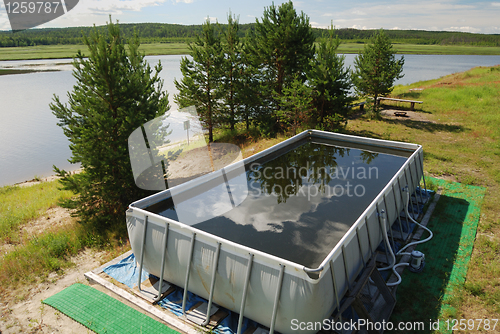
(112, 7)
(359, 12)
(358, 27)
(464, 29)
(318, 25)
(406, 14)
(4, 23)
(90, 12)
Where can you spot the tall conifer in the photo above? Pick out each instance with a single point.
(282, 46)
(330, 82)
(233, 70)
(115, 92)
(376, 68)
(201, 84)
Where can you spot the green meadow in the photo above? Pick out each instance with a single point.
(458, 126)
(460, 134)
(69, 51)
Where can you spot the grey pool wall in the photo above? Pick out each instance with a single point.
(279, 291)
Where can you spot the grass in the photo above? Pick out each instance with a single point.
(446, 49)
(182, 146)
(249, 141)
(461, 143)
(20, 204)
(7, 71)
(427, 49)
(69, 51)
(40, 52)
(35, 256)
(41, 255)
(454, 223)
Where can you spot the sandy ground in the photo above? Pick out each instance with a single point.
(53, 218)
(25, 313)
(44, 179)
(410, 115)
(22, 311)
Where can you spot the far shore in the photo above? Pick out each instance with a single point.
(38, 180)
(17, 71)
(156, 49)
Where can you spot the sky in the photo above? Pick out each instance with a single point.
(441, 15)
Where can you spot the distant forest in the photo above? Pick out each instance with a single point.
(170, 33)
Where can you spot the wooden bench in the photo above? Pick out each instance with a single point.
(399, 100)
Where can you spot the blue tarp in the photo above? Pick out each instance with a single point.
(127, 272)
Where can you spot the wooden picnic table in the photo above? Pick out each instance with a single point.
(399, 100)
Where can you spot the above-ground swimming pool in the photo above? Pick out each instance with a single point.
(283, 234)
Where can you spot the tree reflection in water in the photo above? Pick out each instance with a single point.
(311, 164)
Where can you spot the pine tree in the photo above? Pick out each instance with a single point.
(295, 102)
(376, 68)
(330, 83)
(233, 69)
(249, 91)
(282, 46)
(201, 85)
(115, 92)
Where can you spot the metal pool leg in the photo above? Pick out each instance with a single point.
(346, 270)
(403, 202)
(186, 282)
(423, 176)
(418, 179)
(398, 213)
(379, 214)
(212, 283)
(390, 226)
(409, 198)
(141, 256)
(415, 192)
(369, 238)
(419, 187)
(160, 284)
(360, 248)
(277, 299)
(245, 289)
(336, 294)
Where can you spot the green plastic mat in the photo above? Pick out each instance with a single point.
(102, 313)
(432, 294)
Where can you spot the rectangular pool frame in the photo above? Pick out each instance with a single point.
(257, 285)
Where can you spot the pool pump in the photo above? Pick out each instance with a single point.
(417, 262)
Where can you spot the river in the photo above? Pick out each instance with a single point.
(31, 141)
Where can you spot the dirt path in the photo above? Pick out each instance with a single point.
(21, 311)
(25, 313)
(409, 115)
